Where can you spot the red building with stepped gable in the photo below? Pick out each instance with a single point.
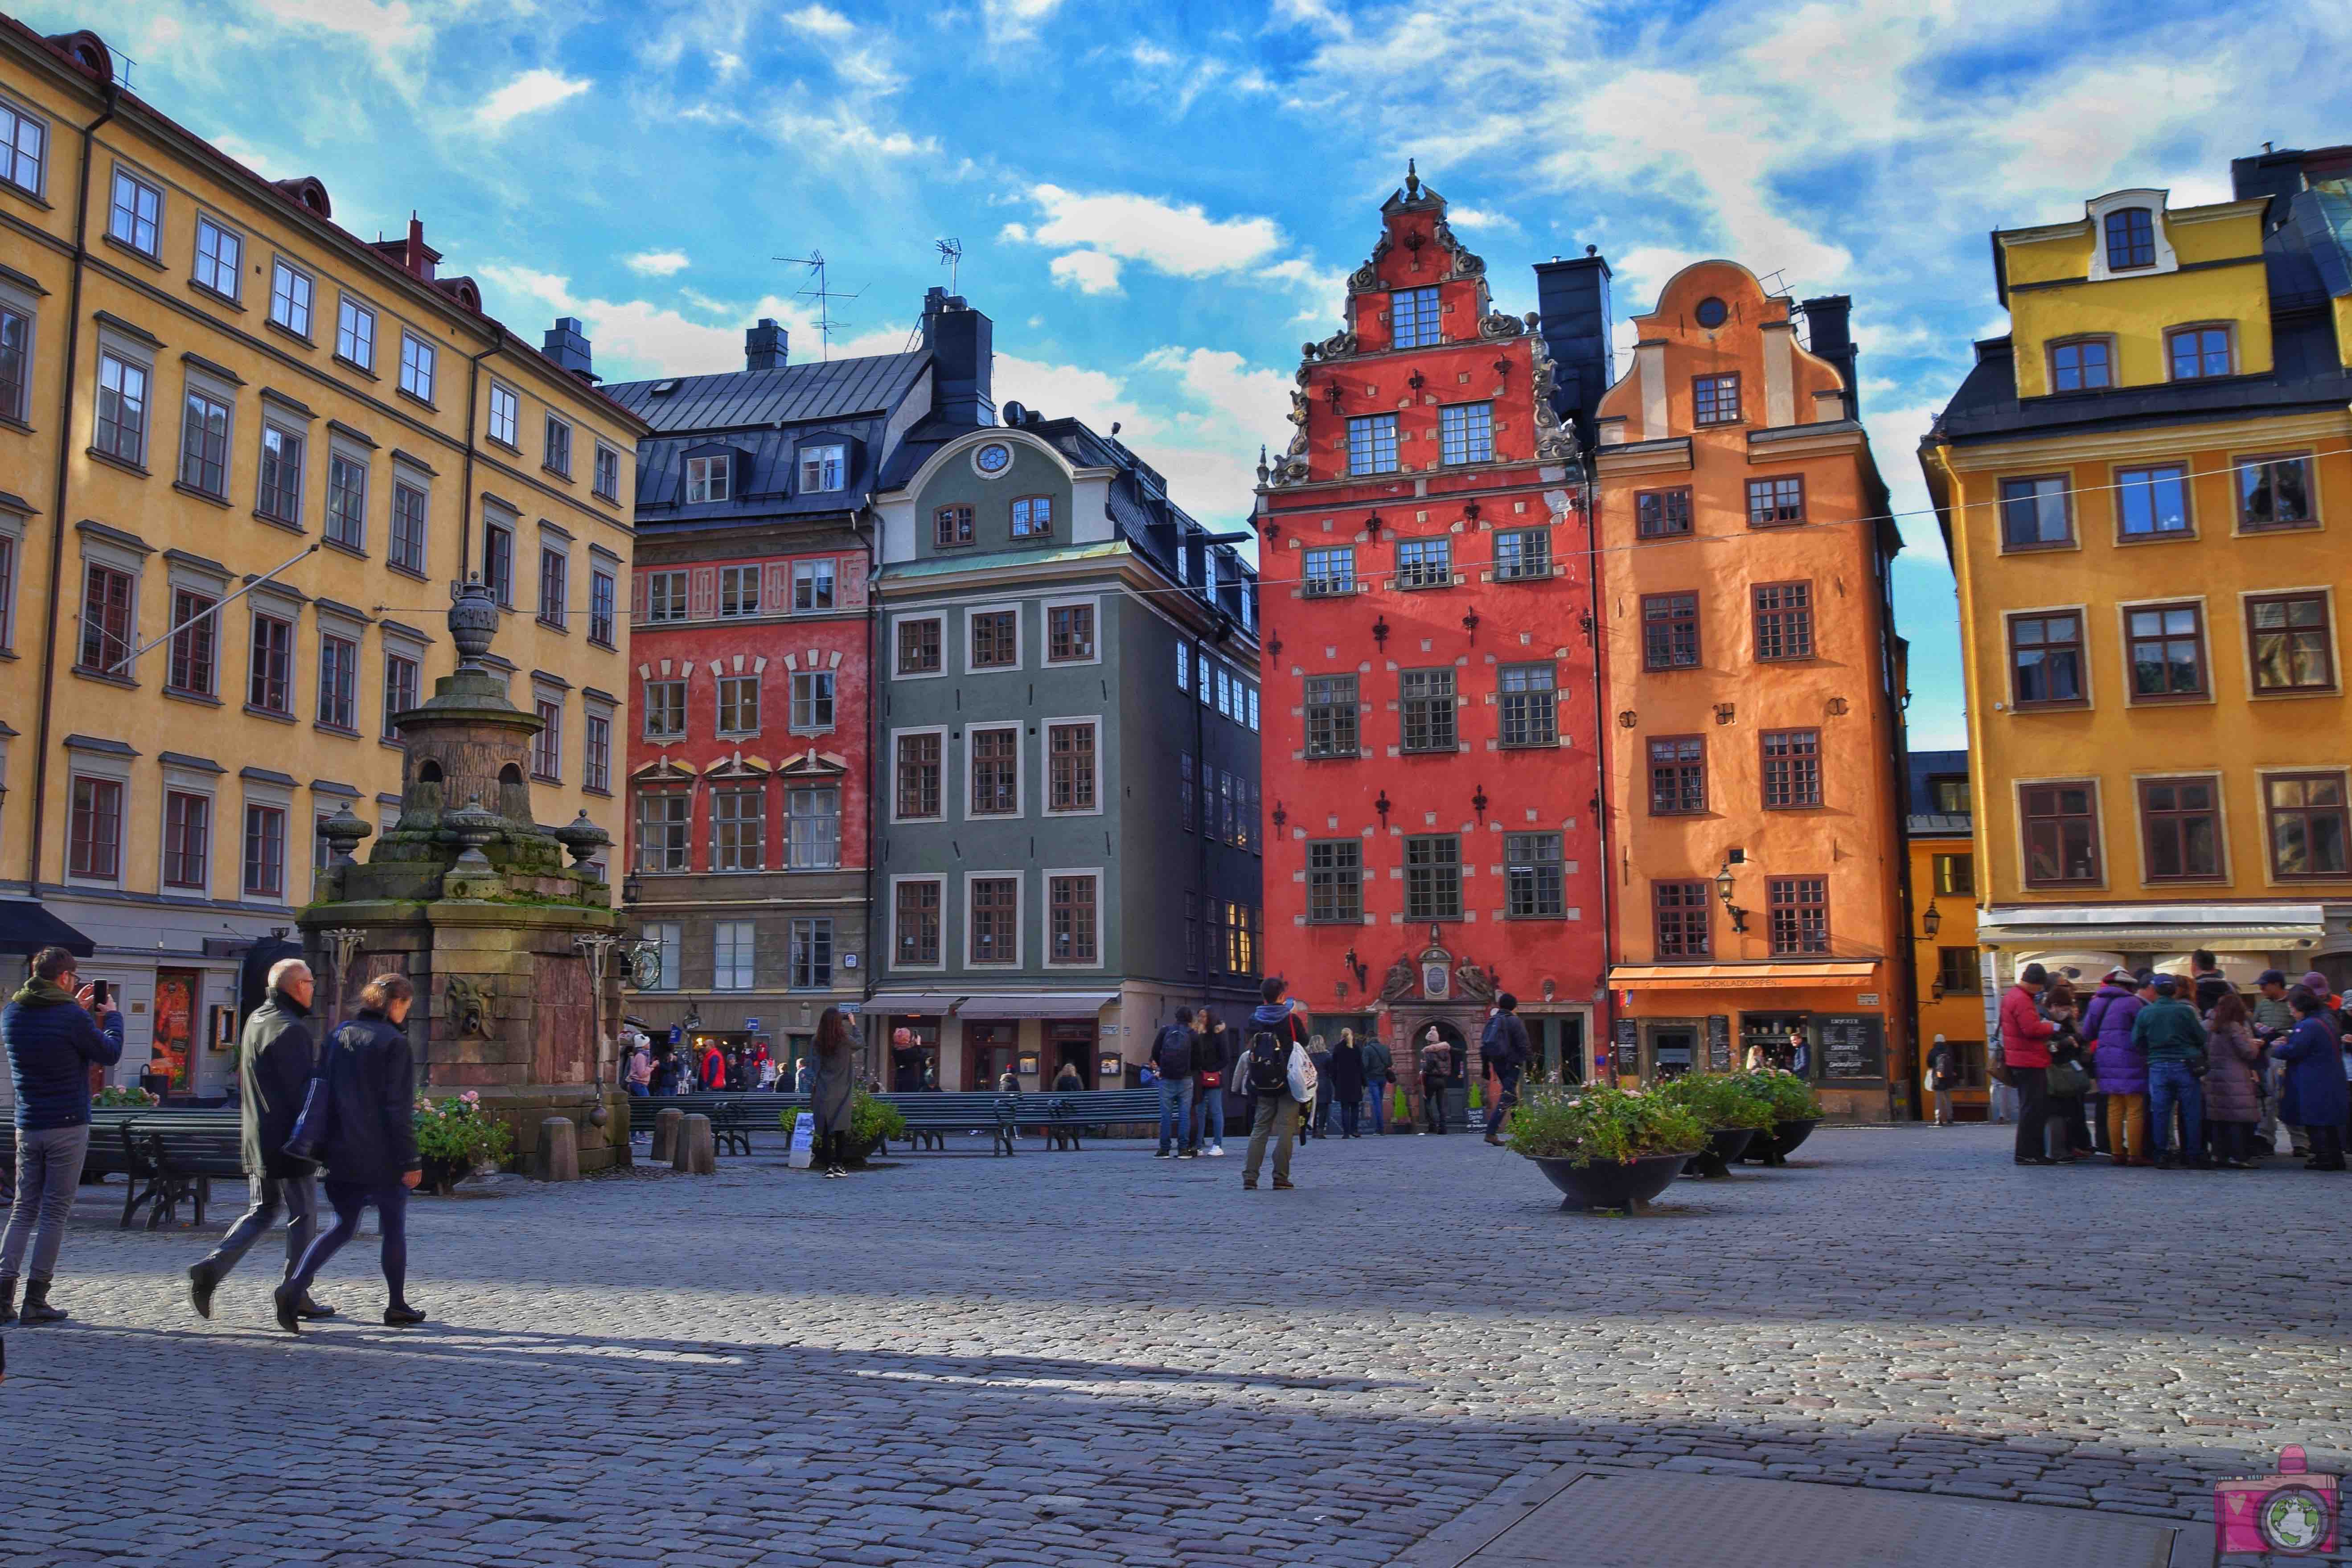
(1431, 776)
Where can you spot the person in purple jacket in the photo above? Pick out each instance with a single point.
(2122, 1066)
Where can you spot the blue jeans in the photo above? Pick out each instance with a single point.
(1208, 1115)
(1175, 1113)
(2170, 1084)
(1378, 1094)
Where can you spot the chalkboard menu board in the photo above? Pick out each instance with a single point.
(1719, 1042)
(1854, 1047)
(1628, 1047)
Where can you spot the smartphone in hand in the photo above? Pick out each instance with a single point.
(99, 993)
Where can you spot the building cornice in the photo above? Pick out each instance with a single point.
(1979, 455)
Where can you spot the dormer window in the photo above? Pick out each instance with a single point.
(706, 479)
(2131, 238)
(825, 467)
(1032, 517)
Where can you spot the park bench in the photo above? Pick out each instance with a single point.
(171, 1158)
(931, 1115)
(1065, 1116)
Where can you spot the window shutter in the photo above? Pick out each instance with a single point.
(702, 593)
(849, 580)
(637, 598)
(776, 588)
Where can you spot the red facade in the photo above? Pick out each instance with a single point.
(1430, 775)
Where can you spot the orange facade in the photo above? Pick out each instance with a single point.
(1751, 678)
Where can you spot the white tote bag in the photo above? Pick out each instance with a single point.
(1302, 1076)
(803, 1152)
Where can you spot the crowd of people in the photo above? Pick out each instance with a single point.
(2170, 1071)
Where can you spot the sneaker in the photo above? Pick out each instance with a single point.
(1248, 1185)
(1216, 1150)
(1161, 1155)
(1188, 1153)
(1280, 1186)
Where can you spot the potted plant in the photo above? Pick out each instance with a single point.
(455, 1138)
(1732, 1110)
(1605, 1148)
(1796, 1111)
(872, 1125)
(115, 1095)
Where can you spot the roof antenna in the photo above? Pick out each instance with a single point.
(815, 290)
(952, 255)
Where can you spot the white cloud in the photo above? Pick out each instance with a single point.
(391, 29)
(820, 21)
(1478, 219)
(657, 263)
(1010, 21)
(528, 93)
(844, 132)
(1177, 238)
(1087, 271)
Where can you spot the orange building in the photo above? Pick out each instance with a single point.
(1751, 678)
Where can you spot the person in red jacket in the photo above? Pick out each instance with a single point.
(714, 1070)
(2025, 1051)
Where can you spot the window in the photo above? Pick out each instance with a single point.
(2062, 833)
(1425, 703)
(355, 332)
(402, 678)
(665, 596)
(1201, 685)
(1774, 501)
(665, 819)
(1950, 794)
(2288, 636)
(1069, 634)
(1330, 572)
(1467, 433)
(1373, 444)
(194, 665)
(1683, 916)
(2131, 238)
(2180, 828)
(2274, 492)
(280, 492)
(1954, 874)
(706, 479)
(596, 762)
(1070, 913)
(993, 902)
(23, 142)
(1227, 827)
(1714, 400)
(812, 586)
(558, 445)
(1534, 877)
(339, 683)
(2198, 351)
(667, 941)
(1662, 514)
(739, 705)
(498, 562)
(121, 409)
(603, 594)
(739, 590)
(1070, 762)
(918, 647)
(1432, 877)
(346, 500)
(264, 851)
(1032, 517)
(1957, 970)
(1425, 564)
(2166, 650)
(7, 591)
(105, 620)
(136, 214)
(187, 839)
(995, 772)
(738, 829)
(2151, 503)
(1529, 716)
(607, 483)
(951, 525)
(16, 352)
(1521, 554)
(811, 829)
(1413, 319)
(1191, 933)
(1225, 693)
(1185, 808)
(2308, 825)
(94, 847)
(1800, 910)
(1677, 775)
(2084, 366)
(1335, 881)
(825, 467)
(1784, 620)
(219, 252)
(811, 700)
(919, 776)
(995, 639)
(416, 366)
(2045, 659)
(1252, 721)
(290, 298)
(1669, 631)
(547, 746)
(664, 709)
(915, 921)
(732, 956)
(1792, 769)
(506, 415)
(811, 953)
(204, 445)
(2036, 513)
(1183, 668)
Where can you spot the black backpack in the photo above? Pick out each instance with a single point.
(1269, 1070)
(1173, 1053)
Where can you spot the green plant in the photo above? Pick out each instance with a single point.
(114, 1094)
(1790, 1097)
(458, 1133)
(1719, 1101)
(1582, 1125)
(871, 1120)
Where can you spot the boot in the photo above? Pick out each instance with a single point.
(37, 1304)
(7, 1303)
(201, 1282)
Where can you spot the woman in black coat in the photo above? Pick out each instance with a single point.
(1348, 1083)
(368, 1145)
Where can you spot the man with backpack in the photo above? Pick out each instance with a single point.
(1171, 1063)
(1276, 1068)
(1504, 1050)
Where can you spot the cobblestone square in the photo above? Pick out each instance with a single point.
(1102, 1358)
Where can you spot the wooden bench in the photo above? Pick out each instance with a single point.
(1066, 1116)
(931, 1115)
(172, 1157)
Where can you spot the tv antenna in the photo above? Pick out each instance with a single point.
(951, 255)
(815, 290)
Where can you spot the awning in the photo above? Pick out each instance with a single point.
(918, 1004)
(1740, 976)
(2154, 928)
(1038, 1005)
(25, 927)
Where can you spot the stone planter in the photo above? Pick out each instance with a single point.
(1611, 1184)
(1724, 1144)
(1785, 1136)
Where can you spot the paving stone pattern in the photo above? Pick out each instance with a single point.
(1104, 1359)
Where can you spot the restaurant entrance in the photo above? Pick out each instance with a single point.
(990, 1050)
(1072, 1043)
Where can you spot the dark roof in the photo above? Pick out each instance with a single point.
(792, 394)
(1922, 767)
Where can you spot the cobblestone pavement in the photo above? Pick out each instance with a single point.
(1102, 1358)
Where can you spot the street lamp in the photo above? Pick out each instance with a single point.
(1933, 921)
(1723, 883)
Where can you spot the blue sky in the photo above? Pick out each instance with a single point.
(1158, 202)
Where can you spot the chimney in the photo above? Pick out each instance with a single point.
(415, 259)
(568, 348)
(763, 345)
(1829, 336)
(961, 343)
(1572, 300)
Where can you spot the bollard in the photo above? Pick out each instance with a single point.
(695, 1154)
(559, 1150)
(665, 1132)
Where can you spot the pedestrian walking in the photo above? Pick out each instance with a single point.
(832, 1090)
(1380, 1076)
(1347, 1084)
(275, 1058)
(1275, 1067)
(369, 1145)
(1171, 1063)
(714, 1070)
(1436, 1071)
(2314, 1096)
(2120, 1063)
(1211, 1066)
(2167, 1032)
(641, 1071)
(2234, 1058)
(1943, 1077)
(1068, 1081)
(1318, 1052)
(2025, 1050)
(1504, 1050)
(55, 1030)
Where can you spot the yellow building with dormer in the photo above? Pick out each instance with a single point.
(2147, 491)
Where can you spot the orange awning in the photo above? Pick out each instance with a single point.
(1740, 976)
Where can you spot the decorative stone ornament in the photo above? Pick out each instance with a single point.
(581, 838)
(473, 621)
(343, 831)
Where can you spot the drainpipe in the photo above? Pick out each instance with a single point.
(466, 491)
(57, 504)
(873, 732)
(1603, 1017)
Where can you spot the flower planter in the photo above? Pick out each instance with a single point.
(1724, 1144)
(1785, 1136)
(1611, 1184)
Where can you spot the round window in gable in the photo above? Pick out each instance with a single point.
(993, 460)
(1712, 312)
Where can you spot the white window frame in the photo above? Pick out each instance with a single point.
(1020, 634)
(341, 451)
(792, 952)
(810, 573)
(1045, 728)
(792, 701)
(558, 616)
(1045, 910)
(604, 574)
(14, 118)
(349, 311)
(948, 933)
(759, 704)
(233, 267)
(747, 604)
(505, 417)
(212, 390)
(596, 474)
(503, 593)
(938, 618)
(740, 963)
(417, 362)
(947, 784)
(130, 355)
(810, 788)
(676, 601)
(1045, 609)
(1019, 728)
(269, 797)
(405, 476)
(668, 938)
(715, 474)
(138, 183)
(287, 430)
(548, 426)
(1020, 919)
(837, 453)
(645, 706)
(281, 269)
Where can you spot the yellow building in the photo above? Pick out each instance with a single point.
(1947, 971)
(244, 456)
(2146, 489)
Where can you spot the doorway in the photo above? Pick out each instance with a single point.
(1070, 1045)
(990, 1051)
(1457, 1077)
(173, 1050)
(1670, 1049)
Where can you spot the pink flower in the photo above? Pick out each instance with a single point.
(471, 1096)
